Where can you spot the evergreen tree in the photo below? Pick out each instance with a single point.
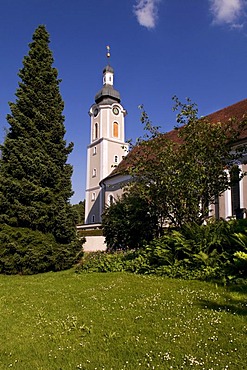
(80, 212)
(35, 179)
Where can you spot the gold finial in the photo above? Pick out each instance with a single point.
(108, 54)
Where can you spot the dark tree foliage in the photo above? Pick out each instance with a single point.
(35, 182)
(128, 223)
(80, 212)
(25, 251)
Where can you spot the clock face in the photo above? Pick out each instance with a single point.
(95, 112)
(116, 110)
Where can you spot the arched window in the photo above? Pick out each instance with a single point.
(96, 131)
(115, 129)
(94, 150)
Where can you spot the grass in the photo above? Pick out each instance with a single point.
(119, 321)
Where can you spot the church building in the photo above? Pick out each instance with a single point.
(107, 171)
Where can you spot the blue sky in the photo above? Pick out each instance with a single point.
(159, 48)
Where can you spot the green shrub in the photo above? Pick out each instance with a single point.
(132, 261)
(100, 262)
(137, 262)
(206, 252)
(168, 249)
(23, 251)
(239, 265)
(216, 251)
(95, 232)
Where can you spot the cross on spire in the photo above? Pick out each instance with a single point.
(108, 54)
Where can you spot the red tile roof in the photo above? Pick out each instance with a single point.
(237, 112)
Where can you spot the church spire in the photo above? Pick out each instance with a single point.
(108, 71)
(107, 94)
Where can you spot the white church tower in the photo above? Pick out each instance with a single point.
(107, 142)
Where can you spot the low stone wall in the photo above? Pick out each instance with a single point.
(94, 243)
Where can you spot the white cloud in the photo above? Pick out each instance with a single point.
(146, 12)
(227, 11)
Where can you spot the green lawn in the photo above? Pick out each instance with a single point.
(120, 321)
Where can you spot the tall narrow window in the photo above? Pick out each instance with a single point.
(110, 199)
(94, 172)
(94, 150)
(93, 218)
(115, 129)
(235, 192)
(217, 207)
(96, 131)
(93, 196)
(115, 158)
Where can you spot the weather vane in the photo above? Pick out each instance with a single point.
(108, 54)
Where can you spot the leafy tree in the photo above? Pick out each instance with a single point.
(35, 185)
(128, 223)
(181, 173)
(153, 167)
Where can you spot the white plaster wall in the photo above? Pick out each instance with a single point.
(94, 243)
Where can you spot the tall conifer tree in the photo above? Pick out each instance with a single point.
(35, 178)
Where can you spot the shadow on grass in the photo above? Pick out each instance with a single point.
(233, 305)
(239, 288)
